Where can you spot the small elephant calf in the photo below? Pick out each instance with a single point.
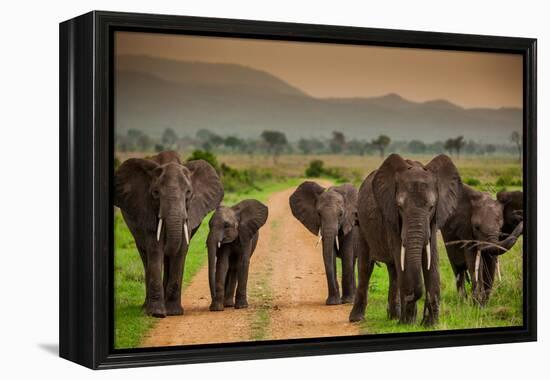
(231, 241)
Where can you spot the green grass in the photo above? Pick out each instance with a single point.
(131, 324)
(503, 309)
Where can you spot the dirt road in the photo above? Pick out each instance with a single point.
(287, 292)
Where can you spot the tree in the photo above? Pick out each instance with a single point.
(490, 148)
(144, 143)
(381, 143)
(449, 146)
(416, 146)
(515, 138)
(458, 145)
(338, 142)
(275, 141)
(356, 147)
(234, 143)
(169, 137)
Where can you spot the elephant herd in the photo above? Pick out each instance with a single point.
(392, 219)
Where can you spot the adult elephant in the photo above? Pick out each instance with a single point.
(475, 236)
(400, 208)
(330, 214)
(163, 203)
(231, 242)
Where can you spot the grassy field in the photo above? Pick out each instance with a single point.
(130, 322)
(484, 173)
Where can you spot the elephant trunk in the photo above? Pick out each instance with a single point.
(174, 233)
(507, 243)
(212, 244)
(415, 240)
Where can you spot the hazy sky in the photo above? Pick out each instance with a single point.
(331, 70)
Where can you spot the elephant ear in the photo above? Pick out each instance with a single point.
(131, 183)
(252, 214)
(207, 191)
(449, 186)
(302, 204)
(349, 192)
(384, 188)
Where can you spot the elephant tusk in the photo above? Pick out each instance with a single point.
(402, 258)
(320, 238)
(219, 244)
(337, 243)
(159, 228)
(498, 270)
(428, 254)
(186, 231)
(476, 270)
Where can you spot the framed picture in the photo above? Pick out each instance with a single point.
(237, 189)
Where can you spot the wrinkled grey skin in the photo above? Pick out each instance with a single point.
(146, 189)
(333, 212)
(480, 218)
(235, 230)
(403, 203)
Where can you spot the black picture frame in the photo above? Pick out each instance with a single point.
(86, 172)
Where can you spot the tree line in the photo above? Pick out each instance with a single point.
(276, 143)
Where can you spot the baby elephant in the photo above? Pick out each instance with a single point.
(231, 241)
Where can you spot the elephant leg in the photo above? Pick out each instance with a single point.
(329, 259)
(488, 277)
(241, 301)
(432, 286)
(166, 273)
(173, 284)
(231, 282)
(394, 305)
(155, 289)
(365, 267)
(348, 270)
(143, 255)
(222, 266)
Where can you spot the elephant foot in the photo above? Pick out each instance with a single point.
(228, 303)
(156, 310)
(241, 304)
(334, 300)
(216, 306)
(429, 321)
(174, 308)
(394, 314)
(357, 314)
(347, 299)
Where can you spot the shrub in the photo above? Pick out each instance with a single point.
(507, 180)
(207, 156)
(472, 181)
(315, 169)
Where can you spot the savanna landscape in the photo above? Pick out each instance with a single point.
(298, 269)
(206, 122)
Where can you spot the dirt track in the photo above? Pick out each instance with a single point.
(287, 291)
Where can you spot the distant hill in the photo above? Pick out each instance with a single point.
(154, 93)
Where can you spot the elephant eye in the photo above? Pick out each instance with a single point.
(226, 225)
(155, 193)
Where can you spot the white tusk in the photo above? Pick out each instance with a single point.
(402, 258)
(159, 228)
(429, 254)
(320, 238)
(476, 271)
(186, 231)
(219, 244)
(337, 243)
(498, 270)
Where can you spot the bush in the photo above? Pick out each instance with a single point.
(315, 169)
(507, 180)
(207, 156)
(472, 181)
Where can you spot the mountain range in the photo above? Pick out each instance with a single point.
(155, 93)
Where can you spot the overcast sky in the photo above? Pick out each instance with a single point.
(330, 70)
